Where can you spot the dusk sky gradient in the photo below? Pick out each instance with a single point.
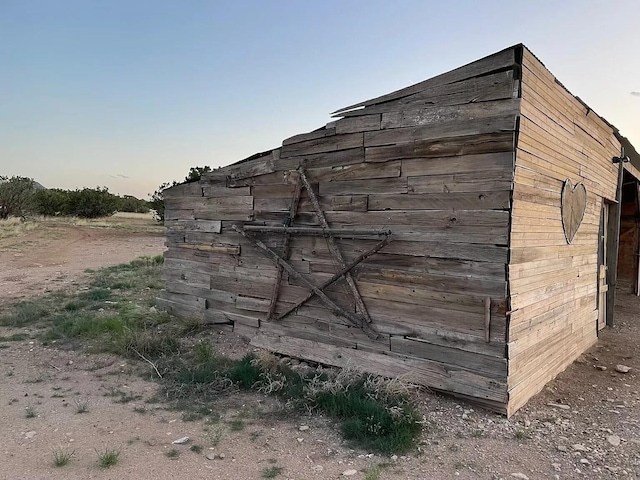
(130, 94)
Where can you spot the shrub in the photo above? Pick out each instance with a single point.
(16, 196)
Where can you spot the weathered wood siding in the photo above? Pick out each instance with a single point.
(553, 285)
(434, 164)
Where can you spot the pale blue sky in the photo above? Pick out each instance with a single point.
(92, 92)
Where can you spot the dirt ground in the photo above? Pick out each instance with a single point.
(594, 434)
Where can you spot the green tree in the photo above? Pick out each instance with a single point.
(129, 203)
(92, 202)
(51, 202)
(156, 201)
(16, 196)
(195, 173)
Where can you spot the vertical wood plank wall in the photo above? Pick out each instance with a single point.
(433, 163)
(553, 285)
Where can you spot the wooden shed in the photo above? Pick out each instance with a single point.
(461, 232)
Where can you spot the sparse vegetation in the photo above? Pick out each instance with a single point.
(215, 435)
(272, 471)
(108, 458)
(236, 425)
(62, 456)
(82, 405)
(16, 337)
(30, 412)
(114, 316)
(375, 471)
(173, 453)
(196, 448)
(126, 397)
(521, 434)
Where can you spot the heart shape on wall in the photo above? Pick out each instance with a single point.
(574, 204)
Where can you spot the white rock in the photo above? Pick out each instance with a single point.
(300, 440)
(211, 456)
(559, 405)
(613, 440)
(349, 473)
(394, 458)
(519, 475)
(557, 467)
(578, 447)
(601, 367)
(30, 435)
(181, 441)
(562, 448)
(221, 456)
(317, 468)
(622, 368)
(584, 461)
(303, 428)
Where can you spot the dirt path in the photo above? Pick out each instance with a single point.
(595, 435)
(54, 255)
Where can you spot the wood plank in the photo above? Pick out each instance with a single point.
(499, 61)
(178, 214)
(431, 115)
(252, 304)
(207, 226)
(443, 283)
(484, 181)
(324, 144)
(480, 126)
(360, 187)
(360, 123)
(501, 163)
(314, 135)
(497, 86)
(443, 147)
(492, 367)
(183, 190)
(220, 191)
(465, 302)
(338, 158)
(354, 171)
(219, 248)
(441, 201)
(481, 218)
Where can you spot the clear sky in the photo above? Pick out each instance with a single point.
(128, 94)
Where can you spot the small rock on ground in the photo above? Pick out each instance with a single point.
(349, 473)
(613, 440)
(519, 475)
(622, 368)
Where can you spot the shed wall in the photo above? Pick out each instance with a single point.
(434, 164)
(553, 285)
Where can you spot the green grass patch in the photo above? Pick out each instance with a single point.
(96, 295)
(108, 458)
(272, 472)
(16, 337)
(374, 472)
(62, 456)
(371, 413)
(173, 453)
(27, 313)
(30, 412)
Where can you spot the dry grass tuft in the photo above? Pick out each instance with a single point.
(14, 227)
